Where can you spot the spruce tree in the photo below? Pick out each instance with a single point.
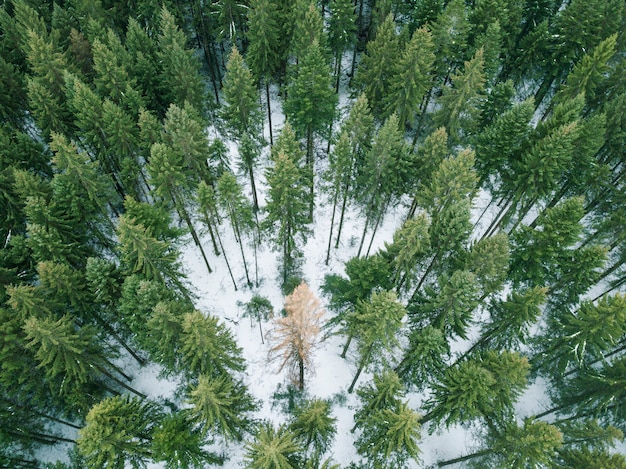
(310, 104)
(384, 176)
(263, 54)
(424, 357)
(287, 210)
(314, 426)
(411, 79)
(272, 448)
(341, 29)
(375, 72)
(208, 346)
(219, 405)
(118, 430)
(379, 320)
(259, 308)
(238, 210)
(180, 79)
(460, 104)
(389, 437)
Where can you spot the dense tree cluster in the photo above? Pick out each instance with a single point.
(106, 164)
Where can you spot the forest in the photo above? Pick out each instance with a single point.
(439, 187)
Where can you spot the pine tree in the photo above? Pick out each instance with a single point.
(411, 79)
(287, 209)
(179, 75)
(389, 437)
(450, 35)
(424, 357)
(488, 259)
(449, 308)
(533, 445)
(208, 347)
(341, 29)
(384, 176)
(378, 321)
(238, 210)
(263, 54)
(241, 110)
(118, 430)
(259, 308)
(384, 393)
(314, 426)
(272, 448)
(310, 104)
(375, 72)
(460, 104)
(295, 335)
(176, 443)
(220, 405)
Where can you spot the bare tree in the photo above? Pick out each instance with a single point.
(295, 336)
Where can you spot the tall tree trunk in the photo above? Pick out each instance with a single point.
(269, 109)
(345, 347)
(300, 374)
(261, 330)
(332, 223)
(343, 211)
(362, 364)
(378, 220)
(230, 271)
(338, 70)
(255, 199)
(182, 211)
(367, 221)
(240, 241)
(477, 454)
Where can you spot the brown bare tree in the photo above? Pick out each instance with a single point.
(295, 336)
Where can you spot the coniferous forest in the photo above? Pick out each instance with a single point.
(490, 135)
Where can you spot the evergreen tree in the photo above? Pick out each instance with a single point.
(295, 335)
(424, 357)
(179, 75)
(511, 320)
(375, 72)
(241, 110)
(272, 448)
(384, 176)
(315, 427)
(478, 388)
(179, 445)
(533, 445)
(167, 174)
(341, 29)
(411, 79)
(220, 405)
(460, 104)
(308, 28)
(410, 245)
(208, 347)
(287, 209)
(448, 308)
(263, 52)
(359, 125)
(390, 437)
(488, 259)
(384, 393)
(378, 321)
(238, 209)
(310, 103)
(118, 430)
(259, 308)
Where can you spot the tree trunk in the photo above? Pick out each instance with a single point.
(182, 211)
(269, 110)
(343, 211)
(261, 330)
(362, 364)
(230, 271)
(338, 70)
(378, 220)
(449, 462)
(345, 347)
(310, 167)
(240, 241)
(255, 199)
(108, 374)
(367, 220)
(300, 374)
(332, 222)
